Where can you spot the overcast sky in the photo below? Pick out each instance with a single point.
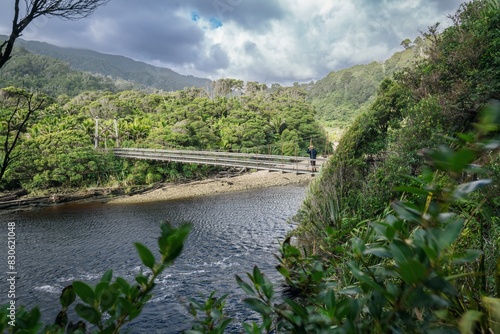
(269, 41)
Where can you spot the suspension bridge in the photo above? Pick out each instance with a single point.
(281, 163)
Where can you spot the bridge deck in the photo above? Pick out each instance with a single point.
(287, 164)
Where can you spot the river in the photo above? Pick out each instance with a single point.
(230, 234)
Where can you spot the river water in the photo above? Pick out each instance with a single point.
(230, 234)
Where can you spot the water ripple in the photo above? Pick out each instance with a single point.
(230, 234)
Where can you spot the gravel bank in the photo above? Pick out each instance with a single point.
(259, 179)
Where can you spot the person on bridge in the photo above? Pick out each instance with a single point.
(312, 157)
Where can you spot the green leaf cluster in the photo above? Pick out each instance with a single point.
(406, 272)
(108, 305)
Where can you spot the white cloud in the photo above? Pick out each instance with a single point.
(253, 40)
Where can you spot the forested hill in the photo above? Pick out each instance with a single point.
(116, 67)
(338, 97)
(342, 95)
(52, 77)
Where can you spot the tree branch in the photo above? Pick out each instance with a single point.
(65, 9)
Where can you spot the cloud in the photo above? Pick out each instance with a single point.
(216, 59)
(268, 41)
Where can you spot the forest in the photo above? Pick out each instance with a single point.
(56, 148)
(400, 233)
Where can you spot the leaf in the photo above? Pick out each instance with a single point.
(412, 271)
(407, 211)
(84, 291)
(145, 254)
(171, 241)
(245, 286)
(88, 313)
(401, 252)
(491, 145)
(364, 278)
(108, 298)
(446, 237)
(257, 276)
(468, 321)
(358, 246)
(222, 326)
(267, 288)
(298, 309)
(68, 296)
(489, 119)
(121, 284)
(61, 319)
(100, 288)
(251, 328)
(142, 280)
(471, 255)
(330, 302)
(257, 305)
(460, 159)
(379, 251)
(464, 189)
(107, 276)
(126, 305)
(351, 291)
(441, 285)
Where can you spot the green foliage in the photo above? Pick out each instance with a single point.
(432, 227)
(404, 273)
(341, 96)
(209, 316)
(58, 148)
(110, 304)
(416, 109)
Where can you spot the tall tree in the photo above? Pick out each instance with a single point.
(16, 108)
(25, 13)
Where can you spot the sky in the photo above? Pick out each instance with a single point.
(268, 41)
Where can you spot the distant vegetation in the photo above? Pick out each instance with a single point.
(342, 95)
(57, 148)
(50, 76)
(138, 74)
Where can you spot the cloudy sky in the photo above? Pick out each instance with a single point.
(269, 41)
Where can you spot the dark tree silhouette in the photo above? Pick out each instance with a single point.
(28, 10)
(24, 13)
(16, 107)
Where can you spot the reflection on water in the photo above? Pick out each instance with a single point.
(231, 233)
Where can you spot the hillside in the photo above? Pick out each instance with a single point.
(116, 67)
(338, 98)
(51, 76)
(342, 95)
(413, 186)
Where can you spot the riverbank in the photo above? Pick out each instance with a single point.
(211, 186)
(20, 200)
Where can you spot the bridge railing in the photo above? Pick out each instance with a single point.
(232, 159)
